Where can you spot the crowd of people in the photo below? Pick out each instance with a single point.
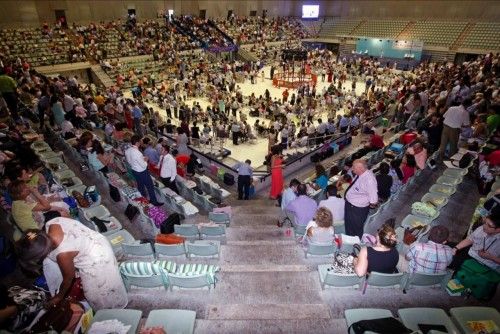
(446, 104)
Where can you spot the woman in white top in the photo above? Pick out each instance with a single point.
(320, 230)
(75, 247)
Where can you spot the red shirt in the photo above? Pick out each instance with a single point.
(182, 161)
(493, 158)
(376, 141)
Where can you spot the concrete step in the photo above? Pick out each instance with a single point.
(261, 232)
(267, 254)
(254, 219)
(267, 311)
(291, 326)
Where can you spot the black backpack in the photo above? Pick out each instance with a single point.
(465, 160)
(388, 325)
(167, 227)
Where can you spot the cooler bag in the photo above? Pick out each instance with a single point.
(479, 279)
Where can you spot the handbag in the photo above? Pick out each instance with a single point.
(343, 263)
(56, 318)
(114, 193)
(387, 325)
(82, 201)
(131, 211)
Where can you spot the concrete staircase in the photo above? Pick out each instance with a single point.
(266, 285)
(100, 77)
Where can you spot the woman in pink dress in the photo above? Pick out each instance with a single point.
(276, 175)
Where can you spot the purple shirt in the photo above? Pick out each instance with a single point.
(363, 191)
(304, 208)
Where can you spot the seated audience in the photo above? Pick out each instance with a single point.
(483, 244)
(382, 258)
(320, 230)
(431, 257)
(321, 180)
(334, 203)
(408, 167)
(419, 152)
(303, 207)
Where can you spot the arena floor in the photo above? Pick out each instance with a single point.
(256, 150)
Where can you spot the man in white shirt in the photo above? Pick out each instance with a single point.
(168, 168)
(454, 118)
(360, 196)
(139, 167)
(334, 203)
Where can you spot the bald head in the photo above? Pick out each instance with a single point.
(359, 166)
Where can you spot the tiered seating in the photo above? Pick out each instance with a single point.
(36, 46)
(383, 29)
(170, 320)
(434, 33)
(338, 27)
(483, 36)
(434, 320)
(312, 27)
(256, 29)
(202, 30)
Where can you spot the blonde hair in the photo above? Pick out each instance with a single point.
(323, 217)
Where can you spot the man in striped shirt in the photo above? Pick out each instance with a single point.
(433, 256)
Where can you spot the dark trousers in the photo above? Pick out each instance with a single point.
(449, 136)
(169, 184)
(243, 186)
(235, 138)
(11, 101)
(145, 183)
(355, 218)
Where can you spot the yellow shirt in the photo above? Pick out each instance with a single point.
(22, 212)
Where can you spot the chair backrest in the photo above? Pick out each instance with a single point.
(169, 250)
(116, 239)
(143, 274)
(138, 250)
(189, 282)
(420, 279)
(219, 218)
(299, 230)
(207, 189)
(217, 193)
(215, 231)
(385, 280)
(328, 277)
(320, 250)
(172, 321)
(341, 280)
(187, 230)
(207, 205)
(198, 199)
(202, 248)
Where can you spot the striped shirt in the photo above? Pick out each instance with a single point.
(429, 257)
